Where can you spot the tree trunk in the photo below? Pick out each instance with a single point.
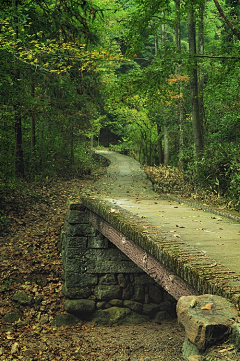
(165, 129)
(235, 31)
(72, 146)
(178, 71)
(33, 127)
(201, 70)
(197, 133)
(19, 162)
(160, 150)
(166, 145)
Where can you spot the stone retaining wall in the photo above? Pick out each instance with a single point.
(99, 277)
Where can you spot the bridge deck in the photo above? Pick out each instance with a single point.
(199, 246)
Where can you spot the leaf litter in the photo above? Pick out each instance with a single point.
(30, 261)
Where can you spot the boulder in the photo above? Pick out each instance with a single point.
(107, 292)
(190, 350)
(76, 292)
(150, 309)
(65, 319)
(127, 292)
(79, 307)
(122, 280)
(207, 319)
(155, 294)
(110, 316)
(134, 319)
(11, 317)
(134, 306)
(139, 293)
(108, 279)
(235, 336)
(161, 315)
(23, 298)
(116, 302)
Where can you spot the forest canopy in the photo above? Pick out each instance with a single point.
(161, 75)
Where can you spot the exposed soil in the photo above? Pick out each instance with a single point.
(31, 262)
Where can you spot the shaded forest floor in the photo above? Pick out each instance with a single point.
(30, 262)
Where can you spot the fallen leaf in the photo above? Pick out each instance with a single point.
(14, 348)
(114, 210)
(227, 349)
(208, 306)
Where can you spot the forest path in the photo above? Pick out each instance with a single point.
(127, 186)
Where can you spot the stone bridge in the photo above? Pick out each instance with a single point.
(129, 249)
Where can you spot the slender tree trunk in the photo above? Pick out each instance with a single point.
(72, 145)
(165, 129)
(178, 71)
(201, 70)
(197, 133)
(160, 150)
(33, 124)
(235, 31)
(19, 162)
(166, 145)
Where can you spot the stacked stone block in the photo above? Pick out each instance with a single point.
(98, 276)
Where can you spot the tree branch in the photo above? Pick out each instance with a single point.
(224, 17)
(216, 56)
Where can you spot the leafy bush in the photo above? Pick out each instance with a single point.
(219, 171)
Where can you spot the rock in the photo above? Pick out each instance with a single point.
(11, 317)
(107, 305)
(108, 279)
(150, 309)
(122, 280)
(143, 279)
(147, 298)
(79, 307)
(107, 292)
(23, 298)
(207, 319)
(127, 292)
(44, 320)
(75, 216)
(116, 302)
(235, 335)
(195, 358)
(65, 319)
(29, 353)
(15, 348)
(100, 305)
(161, 315)
(7, 328)
(38, 299)
(165, 306)
(190, 350)
(155, 294)
(139, 293)
(134, 306)
(113, 315)
(135, 318)
(76, 292)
